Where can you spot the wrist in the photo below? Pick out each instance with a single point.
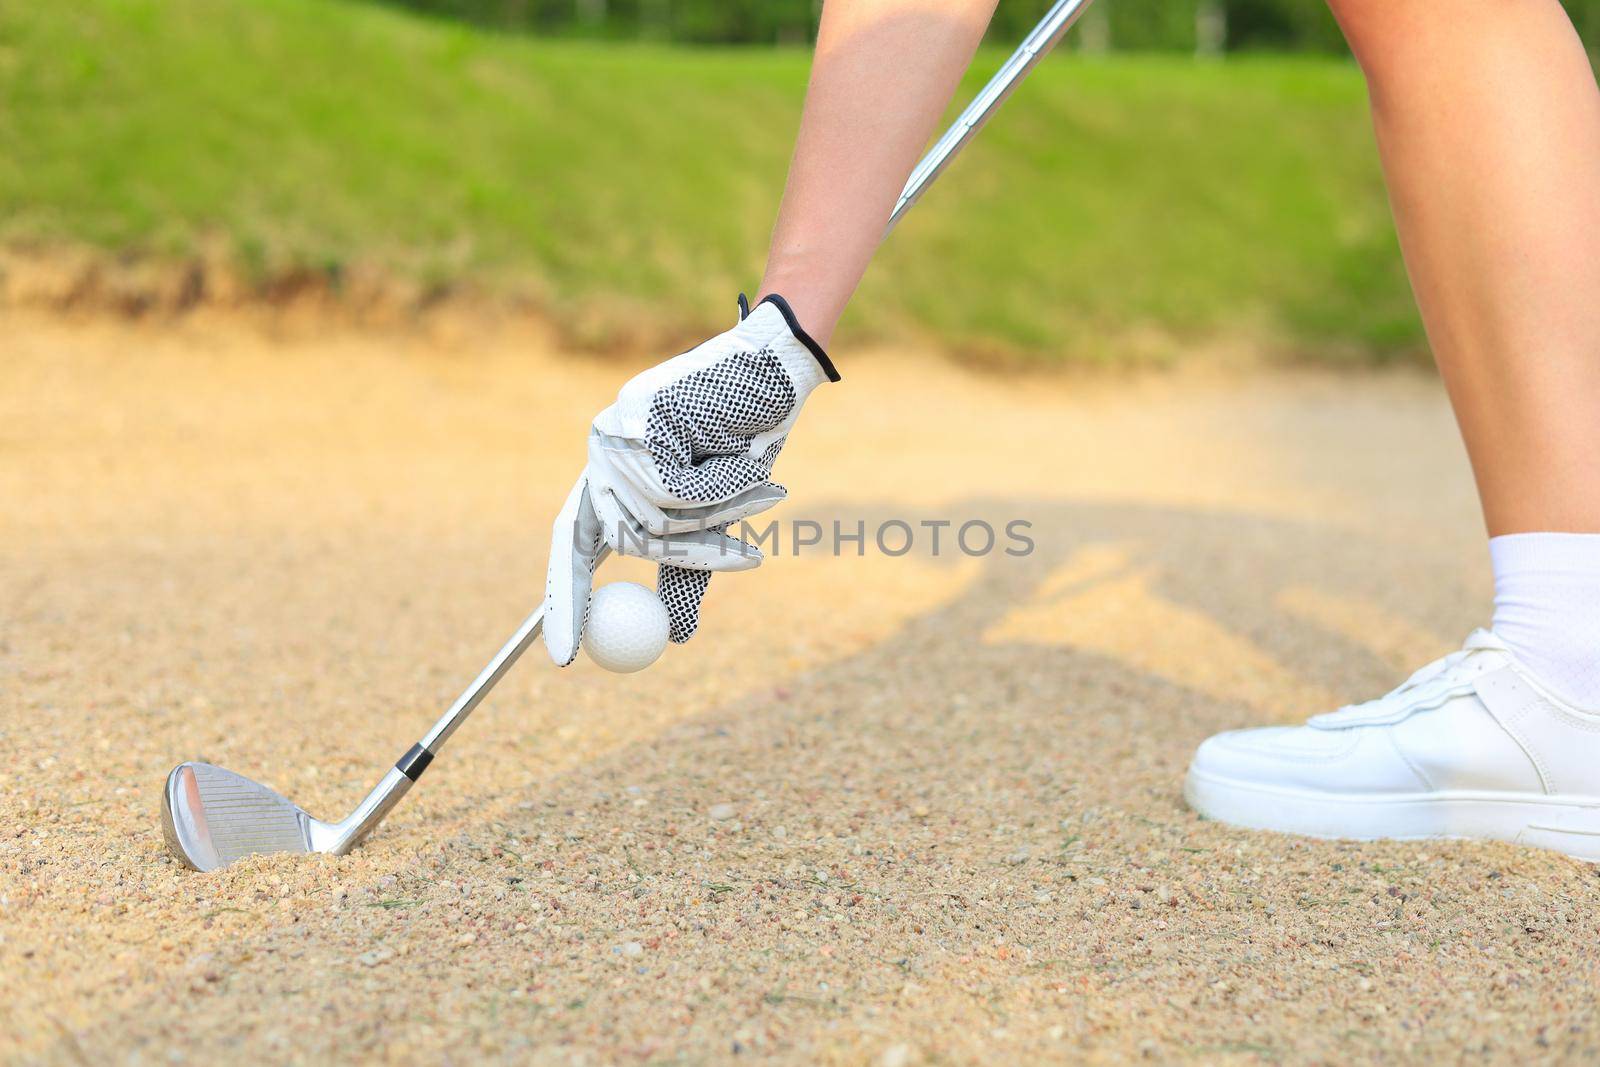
(818, 355)
(816, 310)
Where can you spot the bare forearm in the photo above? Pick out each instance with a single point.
(883, 73)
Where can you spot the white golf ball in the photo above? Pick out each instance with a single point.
(627, 629)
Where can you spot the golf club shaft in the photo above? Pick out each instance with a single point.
(509, 653)
(1033, 48)
(473, 695)
(410, 766)
(394, 785)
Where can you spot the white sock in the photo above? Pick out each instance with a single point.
(1547, 608)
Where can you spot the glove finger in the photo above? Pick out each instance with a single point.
(615, 520)
(618, 526)
(575, 546)
(666, 480)
(614, 464)
(752, 501)
(612, 469)
(666, 521)
(705, 550)
(701, 550)
(681, 591)
(716, 479)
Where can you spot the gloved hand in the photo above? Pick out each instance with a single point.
(686, 449)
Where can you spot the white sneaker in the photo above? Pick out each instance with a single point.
(1470, 746)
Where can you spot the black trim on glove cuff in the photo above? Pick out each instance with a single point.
(800, 335)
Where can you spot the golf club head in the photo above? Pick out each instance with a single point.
(212, 817)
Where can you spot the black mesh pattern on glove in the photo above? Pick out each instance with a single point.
(681, 590)
(715, 414)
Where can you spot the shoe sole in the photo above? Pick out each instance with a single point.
(1564, 824)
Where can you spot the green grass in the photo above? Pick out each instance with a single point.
(629, 189)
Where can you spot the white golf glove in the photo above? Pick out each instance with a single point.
(686, 449)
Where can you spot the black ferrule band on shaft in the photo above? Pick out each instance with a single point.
(414, 762)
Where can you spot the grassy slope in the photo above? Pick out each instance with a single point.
(1109, 197)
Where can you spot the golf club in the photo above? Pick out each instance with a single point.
(212, 817)
(1034, 47)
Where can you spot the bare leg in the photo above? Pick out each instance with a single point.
(1488, 123)
(883, 73)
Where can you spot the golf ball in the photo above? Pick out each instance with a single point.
(627, 629)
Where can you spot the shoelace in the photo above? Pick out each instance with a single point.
(1428, 687)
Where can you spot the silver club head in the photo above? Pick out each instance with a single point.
(213, 817)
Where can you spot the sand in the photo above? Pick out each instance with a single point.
(882, 810)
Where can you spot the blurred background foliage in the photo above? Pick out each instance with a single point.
(618, 166)
(1130, 25)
